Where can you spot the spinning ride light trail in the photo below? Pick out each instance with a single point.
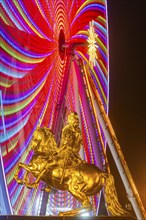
(34, 69)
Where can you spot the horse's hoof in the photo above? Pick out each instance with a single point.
(16, 177)
(33, 185)
(19, 181)
(46, 190)
(60, 214)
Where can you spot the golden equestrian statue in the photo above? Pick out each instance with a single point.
(63, 169)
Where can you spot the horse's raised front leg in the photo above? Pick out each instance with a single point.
(36, 183)
(20, 165)
(31, 169)
(81, 197)
(25, 178)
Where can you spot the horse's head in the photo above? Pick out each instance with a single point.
(49, 138)
(42, 140)
(36, 139)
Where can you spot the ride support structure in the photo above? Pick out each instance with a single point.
(114, 146)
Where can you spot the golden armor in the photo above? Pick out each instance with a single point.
(62, 168)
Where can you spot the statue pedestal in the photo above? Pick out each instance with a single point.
(18, 217)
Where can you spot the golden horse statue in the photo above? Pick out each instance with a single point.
(63, 169)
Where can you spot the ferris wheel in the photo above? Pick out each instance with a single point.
(47, 72)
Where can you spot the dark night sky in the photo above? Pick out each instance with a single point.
(127, 101)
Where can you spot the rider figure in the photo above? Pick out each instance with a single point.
(71, 141)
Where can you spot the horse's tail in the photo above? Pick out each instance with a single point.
(111, 198)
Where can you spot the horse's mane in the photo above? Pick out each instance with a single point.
(46, 130)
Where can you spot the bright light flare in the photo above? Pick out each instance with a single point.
(92, 47)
